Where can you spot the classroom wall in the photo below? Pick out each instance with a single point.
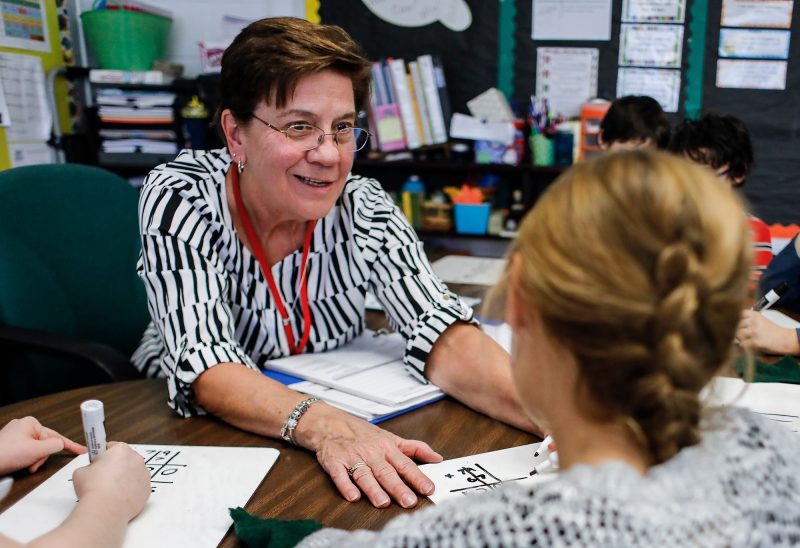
(473, 59)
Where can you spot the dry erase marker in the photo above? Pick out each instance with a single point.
(5, 486)
(771, 297)
(549, 465)
(544, 447)
(93, 419)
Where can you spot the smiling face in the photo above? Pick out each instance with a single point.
(281, 181)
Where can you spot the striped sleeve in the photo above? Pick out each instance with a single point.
(185, 283)
(418, 304)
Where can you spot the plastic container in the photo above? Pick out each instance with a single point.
(125, 40)
(541, 150)
(195, 124)
(471, 218)
(413, 198)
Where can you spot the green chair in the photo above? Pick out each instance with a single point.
(72, 309)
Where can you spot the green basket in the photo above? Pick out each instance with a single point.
(125, 40)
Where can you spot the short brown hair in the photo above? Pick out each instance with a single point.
(270, 55)
(638, 262)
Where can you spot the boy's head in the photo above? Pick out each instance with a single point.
(719, 142)
(634, 121)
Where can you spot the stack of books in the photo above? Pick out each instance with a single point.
(409, 105)
(137, 121)
(366, 377)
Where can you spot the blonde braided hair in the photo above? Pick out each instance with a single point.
(639, 263)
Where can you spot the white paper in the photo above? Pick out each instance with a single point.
(653, 11)
(484, 472)
(757, 13)
(567, 77)
(460, 269)
(5, 117)
(22, 78)
(192, 489)
(24, 27)
(777, 401)
(369, 367)
(467, 127)
(754, 43)
(360, 407)
(28, 154)
(663, 85)
(651, 45)
(780, 318)
(500, 332)
(371, 302)
(492, 106)
(738, 73)
(571, 20)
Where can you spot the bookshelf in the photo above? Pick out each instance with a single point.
(437, 174)
(161, 135)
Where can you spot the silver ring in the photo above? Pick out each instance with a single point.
(355, 467)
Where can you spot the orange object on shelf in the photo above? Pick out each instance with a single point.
(592, 114)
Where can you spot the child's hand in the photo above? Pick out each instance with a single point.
(26, 443)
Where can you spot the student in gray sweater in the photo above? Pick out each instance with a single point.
(623, 292)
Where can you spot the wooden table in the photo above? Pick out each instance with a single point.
(296, 487)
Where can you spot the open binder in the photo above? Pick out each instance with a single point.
(366, 377)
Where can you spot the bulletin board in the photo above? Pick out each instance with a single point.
(55, 16)
(773, 118)
(489, 53)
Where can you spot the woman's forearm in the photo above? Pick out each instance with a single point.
(245, 398)
(470, 366)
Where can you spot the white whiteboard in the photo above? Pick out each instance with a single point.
(192, 489)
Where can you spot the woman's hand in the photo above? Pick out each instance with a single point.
(26, 443)
(118, 477)
(341, 442)
(758, 333)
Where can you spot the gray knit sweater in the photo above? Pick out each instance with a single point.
(739, 487)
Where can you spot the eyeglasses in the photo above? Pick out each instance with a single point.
(308, 137)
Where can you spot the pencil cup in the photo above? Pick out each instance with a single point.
(541, 150)
(472, 218)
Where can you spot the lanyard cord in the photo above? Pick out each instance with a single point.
(262, 260)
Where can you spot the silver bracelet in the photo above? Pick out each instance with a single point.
(287, 430)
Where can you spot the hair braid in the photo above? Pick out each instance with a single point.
(638, 263)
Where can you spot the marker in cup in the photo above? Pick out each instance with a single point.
(93, 426)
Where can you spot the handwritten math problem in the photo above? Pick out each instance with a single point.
(475, 474)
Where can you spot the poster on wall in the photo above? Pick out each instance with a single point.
(453, 14)
(23, 25)
(571, 20)
(754, 43)
(653, 11)
(651, 45)
(757, 13)
(27, 112)
(663, 85)
(566, 77)
(744, 74)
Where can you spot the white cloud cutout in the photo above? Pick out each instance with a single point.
(453, 14)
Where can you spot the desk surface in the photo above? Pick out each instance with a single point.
(296, 487)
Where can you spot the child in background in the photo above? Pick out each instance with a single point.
(634, 121)
(755, 331)
(112, 490)
(723, 144)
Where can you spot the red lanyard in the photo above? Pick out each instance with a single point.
(262, 260)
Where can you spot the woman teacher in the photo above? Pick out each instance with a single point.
(267, 248)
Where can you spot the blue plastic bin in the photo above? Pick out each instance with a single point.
(472, 218)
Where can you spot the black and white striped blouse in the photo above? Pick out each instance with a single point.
(210, 302)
